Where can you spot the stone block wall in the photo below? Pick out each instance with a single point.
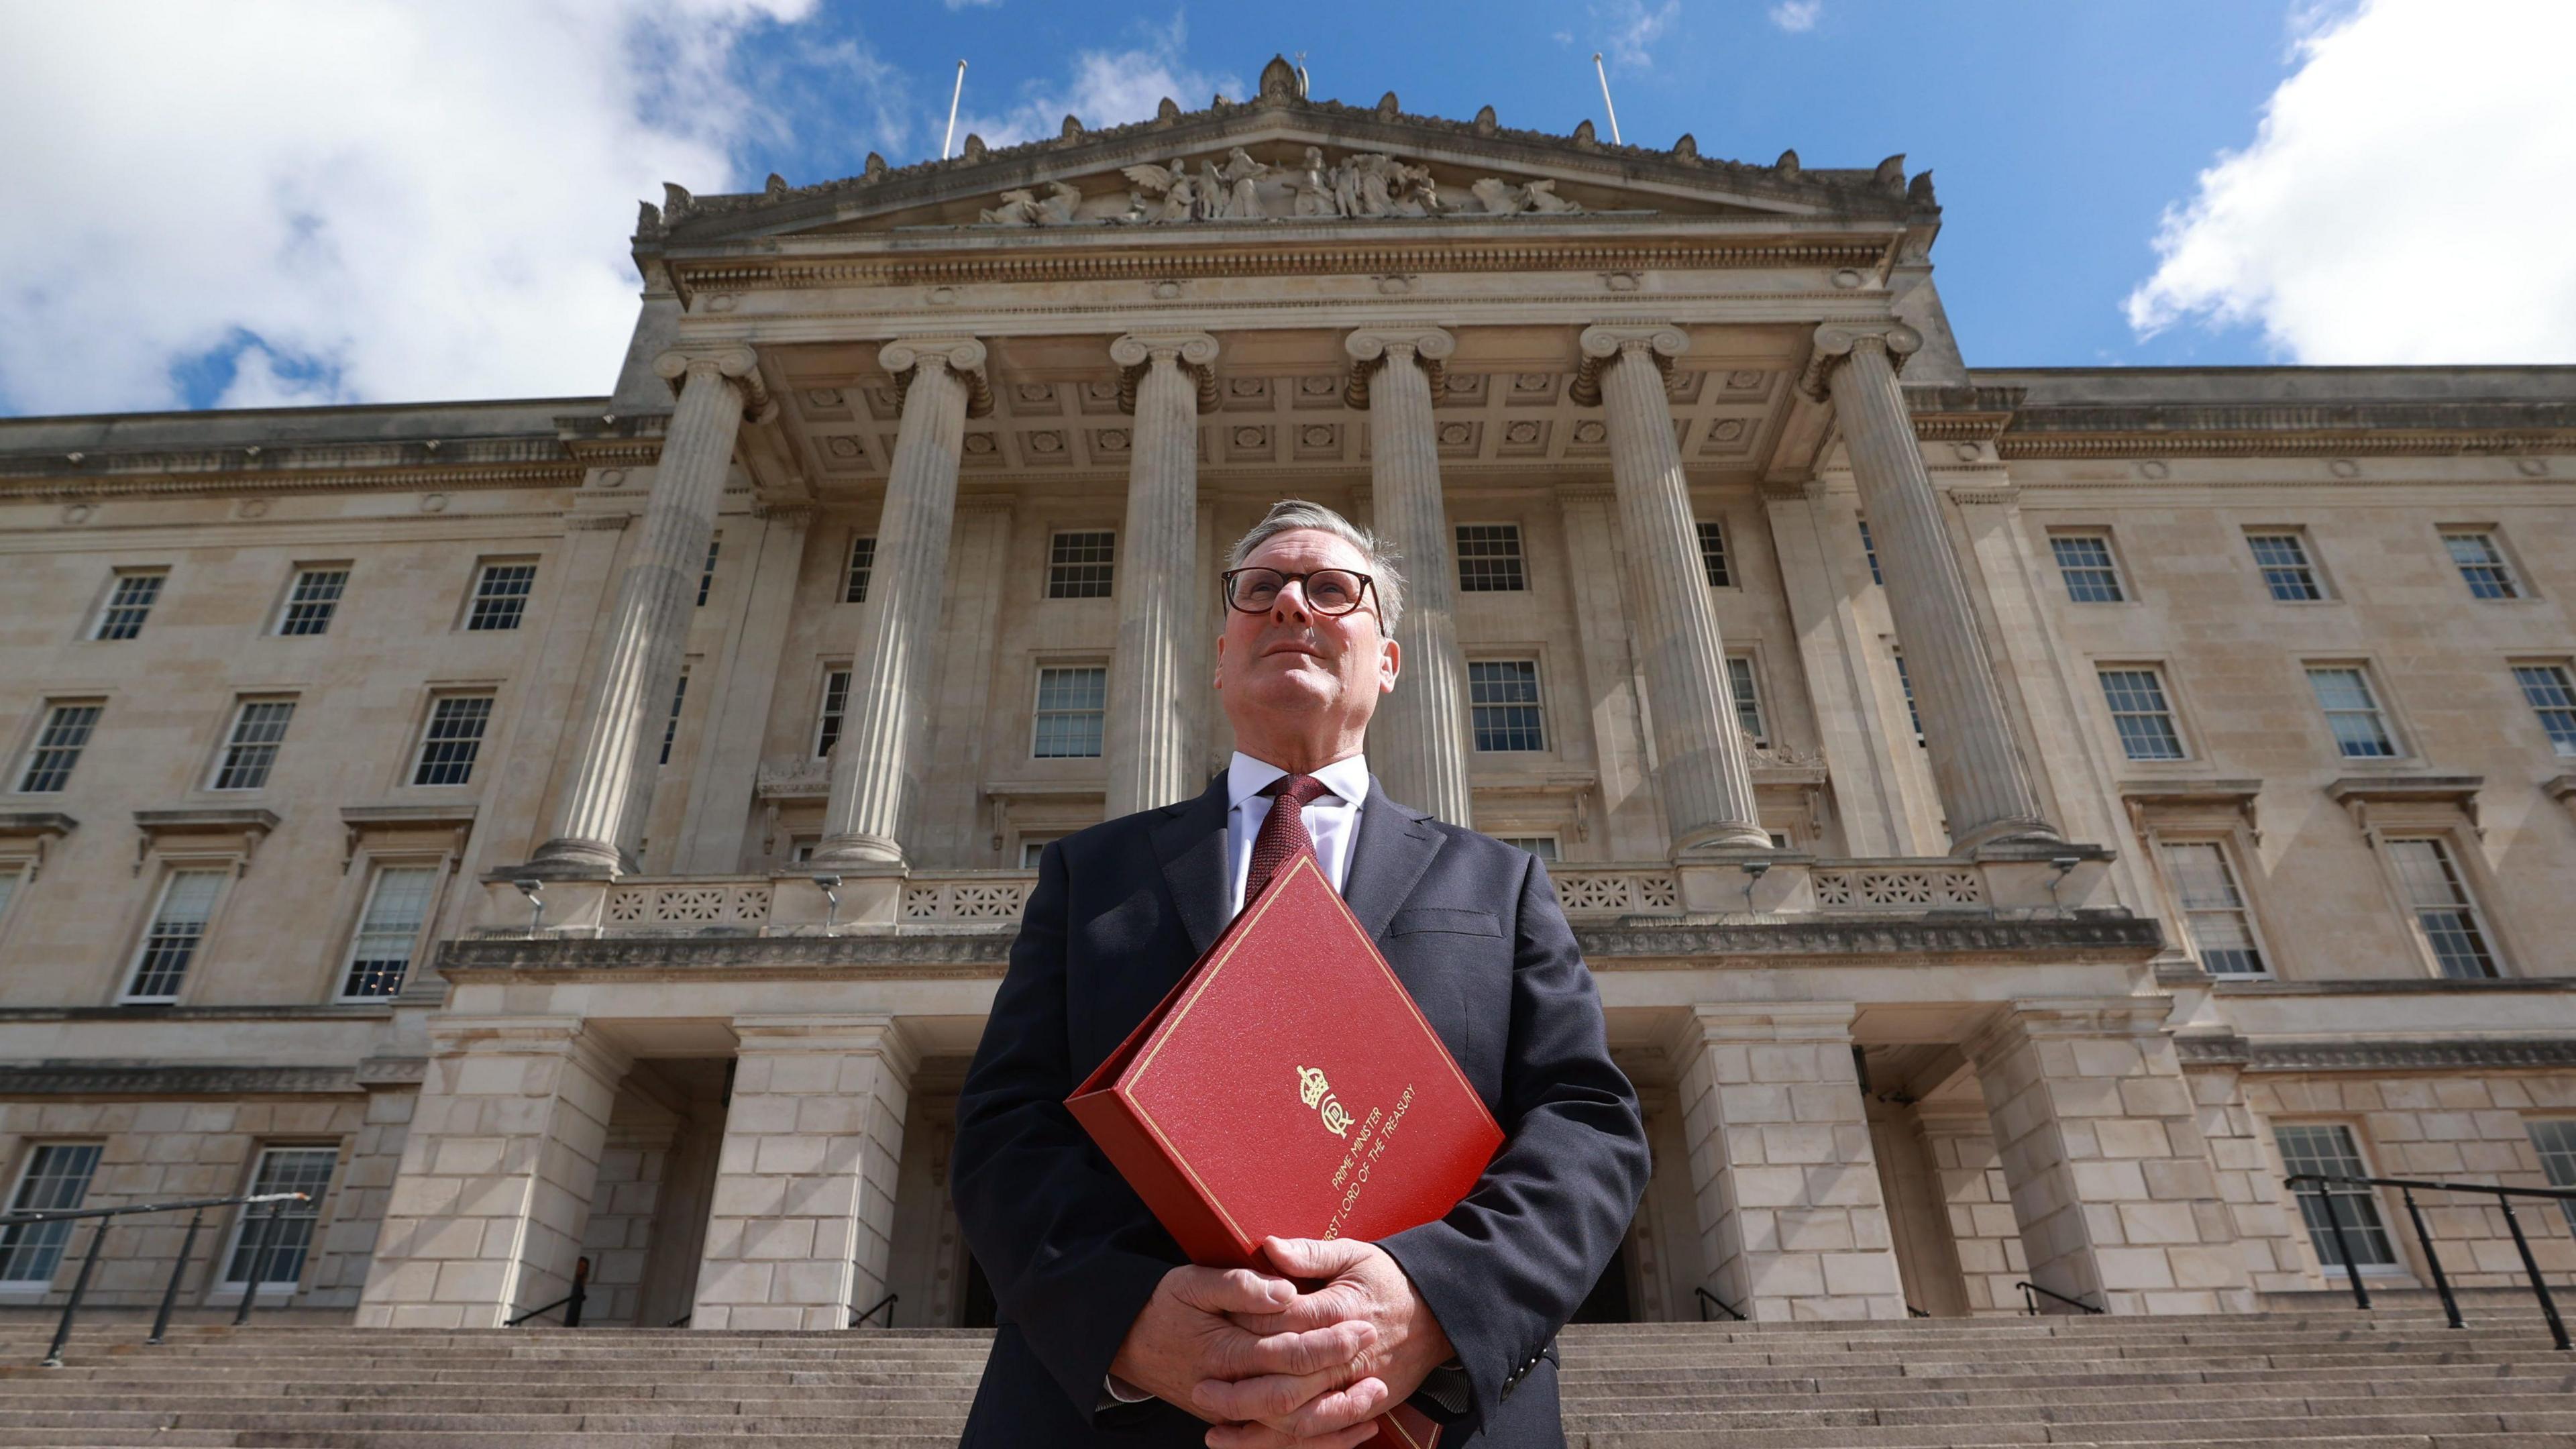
(159, 1151)
(1978, 1205)
(619, 1237)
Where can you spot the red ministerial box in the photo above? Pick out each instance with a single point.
(1288, 1085)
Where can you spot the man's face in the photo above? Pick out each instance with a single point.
(1289, 667)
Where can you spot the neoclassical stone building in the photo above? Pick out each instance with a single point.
(2014, 816)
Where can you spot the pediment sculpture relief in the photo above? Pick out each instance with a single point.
(1244, 188)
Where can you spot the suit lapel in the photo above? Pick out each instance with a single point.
(1190, 841)
(1395, 847)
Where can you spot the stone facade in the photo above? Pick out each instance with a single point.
(1937, 763)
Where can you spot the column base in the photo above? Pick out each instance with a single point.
(856, 851)
(2024, 834)
(1723, 842)
(569, 857)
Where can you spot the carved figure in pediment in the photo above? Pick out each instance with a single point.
(1161, 193)
(1213, 199)
(1373, 182)
(1416, 192)
(1313, 183)
(1243, 176)
(1498, 197)
(1061, 202)
(1018, 208)
(1542, 197)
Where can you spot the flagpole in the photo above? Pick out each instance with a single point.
(960, 91)
(1605, 98)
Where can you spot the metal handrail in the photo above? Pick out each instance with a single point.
(570, 1303)
(187, 1246)
(2030, 1305)
(884, 1305)
(1706, 1298)
(2407, 1188)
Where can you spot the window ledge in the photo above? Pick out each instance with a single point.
(2358, 793)
(251, 824)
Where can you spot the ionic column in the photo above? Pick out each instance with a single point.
(876, 766)
(1701, 773)
(1985, 787)
(604, 804)
(1418, 740)
(1167, 378)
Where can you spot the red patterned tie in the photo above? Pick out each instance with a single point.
(1283, 830)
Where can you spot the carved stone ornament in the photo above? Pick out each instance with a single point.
(733, 361)
(1363, 185)
(964, 356)
(1835, 343)
(1659, 342)
(1192, 352)
(1369, 349)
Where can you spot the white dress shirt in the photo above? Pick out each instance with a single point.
(1332, 819)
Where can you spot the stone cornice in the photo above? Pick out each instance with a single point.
(2057, 939)
(2377, 1056)
(1377, 257)
(2300, 428)
(74, 1079)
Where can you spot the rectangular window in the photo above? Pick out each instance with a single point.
(1748, 698)
(397, 907)
(2555, 1142)
(2552, 695)
(501, 596)
(452, 739)
(1905, 681)
(281, 1169)
(836, 705)
(2430, 880)
(2482, 565)
(1078, 565)
(2141, 714)
(1542, 846)
(58, 747)
(178, 924)
(311, 601)
(1712, 554)
(2213, 909)
(128, 604)
(250, 750)
(863, 562)
(1502, 696)
(1489, 559)
(707, 575)
(2085, 561)
(2287, 571)
(671, 725)
(2352, 712)
(55, 1179)
(1071, 705)
(2329, 1150)
(1869, 551)
(1032, 847)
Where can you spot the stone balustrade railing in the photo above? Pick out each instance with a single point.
(1785, 886)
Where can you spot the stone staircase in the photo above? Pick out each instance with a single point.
(2392, 1379)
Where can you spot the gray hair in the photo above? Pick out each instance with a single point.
(1288, 514)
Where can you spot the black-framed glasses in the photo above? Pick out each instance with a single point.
(1328, 591)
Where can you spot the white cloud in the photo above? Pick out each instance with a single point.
(358, 200)
(1797, 16)
(1105, 88)
(2405, 199)
(1634, 30)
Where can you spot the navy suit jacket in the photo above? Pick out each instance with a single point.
(1472, 927)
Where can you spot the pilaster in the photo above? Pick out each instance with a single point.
(801, 1231)
(1791, 1215)
(488, 1209)
(743, 680)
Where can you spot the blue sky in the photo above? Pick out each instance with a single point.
(2058, 132)
(281, 202)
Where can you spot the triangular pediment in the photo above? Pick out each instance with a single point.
(1281, 159)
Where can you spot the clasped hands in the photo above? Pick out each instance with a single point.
(1271, 1366)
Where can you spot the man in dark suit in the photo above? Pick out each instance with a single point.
(1107, 1336)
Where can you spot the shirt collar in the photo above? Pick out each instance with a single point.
(1246, 777)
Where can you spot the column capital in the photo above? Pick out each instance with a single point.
(1658, 342)
(1370, 347)
(1836, 342)
(733, 361)
(904, 357)
(1191, 352)
(869, 1033)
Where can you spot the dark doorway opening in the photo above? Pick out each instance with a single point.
(1608, 1301)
